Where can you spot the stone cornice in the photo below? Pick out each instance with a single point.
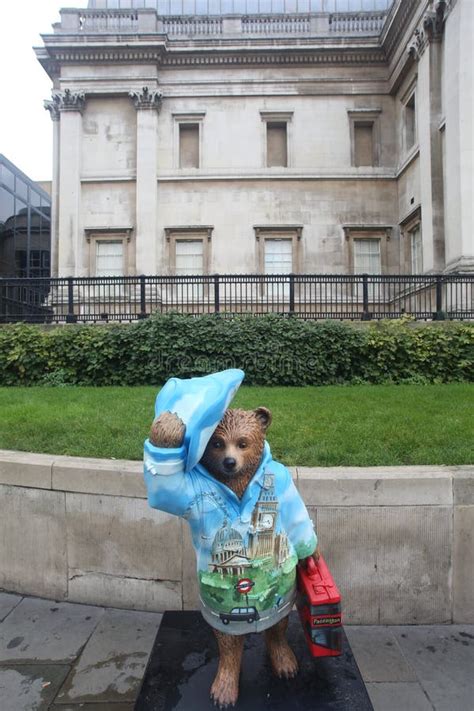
(351, 229)
(318, 55)
(396, 26)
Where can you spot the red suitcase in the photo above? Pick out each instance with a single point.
(319, 606)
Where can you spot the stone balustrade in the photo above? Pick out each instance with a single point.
(189, 26)
(85, 21)
(356, 23)
(276, 24)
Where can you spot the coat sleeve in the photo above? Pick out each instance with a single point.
(296, 520)
(168, 485)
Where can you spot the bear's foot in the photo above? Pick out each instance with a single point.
(282, 659)
(225, 689)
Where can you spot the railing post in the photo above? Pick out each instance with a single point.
(71, 316)
(217, 304)
(143, 313)
(366, 315)
(439, 314)
(292, 294)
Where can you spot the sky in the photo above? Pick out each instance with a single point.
(26, 130)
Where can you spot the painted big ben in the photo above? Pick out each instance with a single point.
(263, 521)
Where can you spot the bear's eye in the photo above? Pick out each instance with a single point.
(217, 444)
(242, 444)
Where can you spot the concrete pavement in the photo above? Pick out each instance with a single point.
(60, 656)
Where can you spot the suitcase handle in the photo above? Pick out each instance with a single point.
(311, 566)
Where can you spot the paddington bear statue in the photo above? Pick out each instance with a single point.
(249, 526)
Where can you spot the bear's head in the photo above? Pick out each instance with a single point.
(236, 446)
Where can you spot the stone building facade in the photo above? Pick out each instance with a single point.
(252, 136)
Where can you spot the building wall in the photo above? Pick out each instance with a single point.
(119, 166)
(233, 208)
(108, 137)
(233, 190)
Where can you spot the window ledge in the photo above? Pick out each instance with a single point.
(344, 173)
(409, 158)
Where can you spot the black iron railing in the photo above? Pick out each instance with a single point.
(305, 296)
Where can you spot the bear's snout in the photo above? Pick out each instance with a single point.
(229, 463)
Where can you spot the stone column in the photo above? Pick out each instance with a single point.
(70, 247)
(148, 104)
(429, 115)
(459, 103)
(53, 107)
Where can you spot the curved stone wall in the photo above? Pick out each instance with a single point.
(399, 540)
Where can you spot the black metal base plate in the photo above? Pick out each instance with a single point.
(183, 664)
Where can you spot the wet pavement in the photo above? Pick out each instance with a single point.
(57, 656)
(181, 678)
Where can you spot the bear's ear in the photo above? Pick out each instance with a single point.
(264, 417)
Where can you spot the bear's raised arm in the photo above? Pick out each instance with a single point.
(167, 485)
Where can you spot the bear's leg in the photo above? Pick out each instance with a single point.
(225, 687)
(282, 659)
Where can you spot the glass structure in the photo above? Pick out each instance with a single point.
(243, 7)
(25, 225)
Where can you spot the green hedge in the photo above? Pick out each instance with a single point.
(273, 350)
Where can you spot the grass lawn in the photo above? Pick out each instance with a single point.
(362, 425)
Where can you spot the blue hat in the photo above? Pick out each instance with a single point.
(200, 403)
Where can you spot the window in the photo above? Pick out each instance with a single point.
(366, 253)
(276, 138)
(410, 122)
(365, 136)
(367, 260)
(278, 252)
(189, 257)
(109, 258)
(188, 138)
(24, 230)
(416, 249)
(189, 145)
(367, 256)
(412, 236)
(278, 256)
(189, 249)
(109, 251)
(363, 144)
(277, 145)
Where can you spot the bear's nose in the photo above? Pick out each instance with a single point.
(229, 463)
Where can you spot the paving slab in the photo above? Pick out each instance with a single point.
(394, 696)
(46, 631)
(442, 656)
(8, 602)
(378, 655)
(112, 664)
(30, 687)
(106, 706)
